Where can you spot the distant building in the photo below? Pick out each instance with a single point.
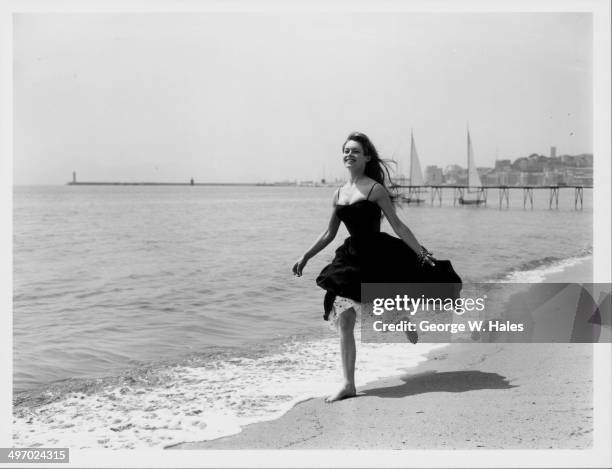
(553, 152)
(502, 178)
(455, 174)
(434, 175)
(552, 177)
(534, 179)
(583, 161)
(503, 165)
(520, 164)
(487, 176)
(491, 179)
(524, 178)
(567, 159)
(513, 178)
(584, 176)
(578, 176)
(536, 163)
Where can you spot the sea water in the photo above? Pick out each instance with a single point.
(146, 316)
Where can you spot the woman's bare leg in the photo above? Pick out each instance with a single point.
(348, 354)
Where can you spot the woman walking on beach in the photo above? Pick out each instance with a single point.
(368, 255)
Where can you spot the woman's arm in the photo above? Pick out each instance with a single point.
(324, 239)
(381, 197)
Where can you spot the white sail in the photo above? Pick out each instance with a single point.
(473, 177)
(416, 175)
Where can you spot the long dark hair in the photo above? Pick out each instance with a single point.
(376, 168)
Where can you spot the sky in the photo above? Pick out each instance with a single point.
(252, 97)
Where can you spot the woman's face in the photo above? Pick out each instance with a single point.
(353, 156)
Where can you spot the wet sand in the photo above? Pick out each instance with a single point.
(465, 396)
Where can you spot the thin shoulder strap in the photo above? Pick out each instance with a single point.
(373, 185)
(337, 196)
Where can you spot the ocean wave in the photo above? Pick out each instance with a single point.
(537, 270)
(201, 397)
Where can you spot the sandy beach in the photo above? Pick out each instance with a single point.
(464, 396)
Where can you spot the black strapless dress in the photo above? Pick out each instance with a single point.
(371, 256)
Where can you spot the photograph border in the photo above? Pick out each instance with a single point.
(599, 455)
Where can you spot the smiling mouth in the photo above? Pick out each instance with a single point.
(349, 160)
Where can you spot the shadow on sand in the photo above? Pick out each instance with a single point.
(448, 381)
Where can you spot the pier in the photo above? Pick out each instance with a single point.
(481, 192)
(93, 183)
(191, 182)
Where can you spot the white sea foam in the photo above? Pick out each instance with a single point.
(540, 273)
(195, 403)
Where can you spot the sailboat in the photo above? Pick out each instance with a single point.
(416, 176)
(474, 185)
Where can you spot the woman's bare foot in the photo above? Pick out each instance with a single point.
(348, 390)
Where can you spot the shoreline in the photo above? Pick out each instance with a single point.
(463, 396)
(580, 272)
(117, 421)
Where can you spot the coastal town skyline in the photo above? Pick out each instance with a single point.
(534, 169)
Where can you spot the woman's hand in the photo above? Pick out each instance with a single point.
(324, 239)
(426, 257)
(429, 260)
(299, 266)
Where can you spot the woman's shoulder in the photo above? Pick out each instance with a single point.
(377, 187)
(379, 192)
(367, 184)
